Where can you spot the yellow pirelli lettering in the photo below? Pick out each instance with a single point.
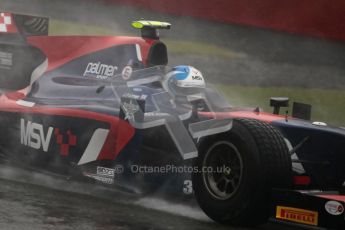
(297, 215)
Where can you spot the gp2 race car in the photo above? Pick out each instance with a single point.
(108, 110)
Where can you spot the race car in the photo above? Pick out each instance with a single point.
(110, 111)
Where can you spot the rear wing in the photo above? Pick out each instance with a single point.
(14, 26)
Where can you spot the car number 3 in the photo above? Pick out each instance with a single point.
(187, 187)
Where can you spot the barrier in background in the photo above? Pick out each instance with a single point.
(320, 18)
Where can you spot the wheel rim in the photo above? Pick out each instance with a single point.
(223, 165)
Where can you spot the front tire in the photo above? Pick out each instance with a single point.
(246, 162)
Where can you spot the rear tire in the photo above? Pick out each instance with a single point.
(253, 158)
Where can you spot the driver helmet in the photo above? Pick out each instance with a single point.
(184, 80)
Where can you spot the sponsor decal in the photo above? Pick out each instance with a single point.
(135, 97)
(34, 135)
(6, 60)
(196, 75)
(297, 215)
(334, 208)
(156, 114)
(65, 146)
(130, 109)
(198, 78)
(99, 70)
(102, 171)
(105, 180)
(127, 73)
(137, 89)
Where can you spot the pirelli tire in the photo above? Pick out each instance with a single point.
(252, 158)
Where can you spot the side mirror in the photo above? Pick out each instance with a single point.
(277, 102)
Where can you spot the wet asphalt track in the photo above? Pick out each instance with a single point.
(54, 203)
(270, 59)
